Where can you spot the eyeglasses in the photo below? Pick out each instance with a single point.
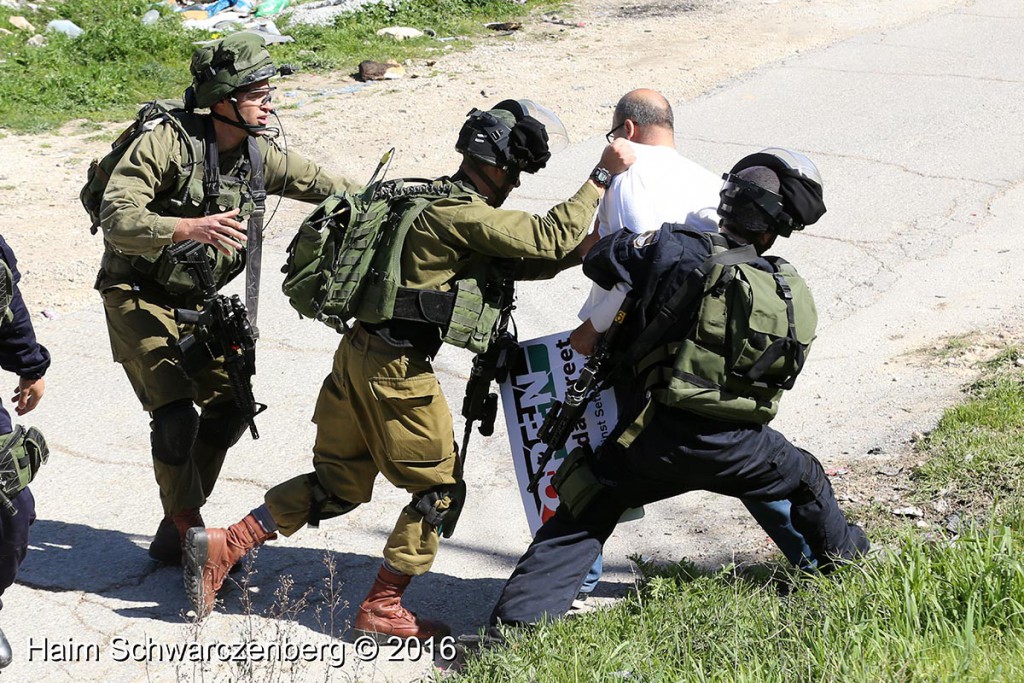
(610, 135)
(260, 97)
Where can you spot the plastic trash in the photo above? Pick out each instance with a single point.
(218, 6)
(245, 6)
(66, 27)
(270, 7)
(150, 17)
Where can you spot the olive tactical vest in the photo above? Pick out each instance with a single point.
(753, 330)
(345, 264)
(200, 189)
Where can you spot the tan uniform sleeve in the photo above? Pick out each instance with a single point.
(518, 234)
(151, 165)
(292, 175)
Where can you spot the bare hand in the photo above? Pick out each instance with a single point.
(618, 156)
(584, 339)
(589, 241)
(218, 229)
(27, 394)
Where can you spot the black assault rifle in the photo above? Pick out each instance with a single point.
(221, 329)
(563, 416)
(480, 403)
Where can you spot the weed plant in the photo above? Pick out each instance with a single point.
(118, 63)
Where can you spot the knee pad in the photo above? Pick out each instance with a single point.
(441, 506)
(174, 428)
(221, 425)
(325, 505)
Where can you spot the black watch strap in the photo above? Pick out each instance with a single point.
(601, 176)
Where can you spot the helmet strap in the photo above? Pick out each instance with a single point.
(239, 122)
(499, 194)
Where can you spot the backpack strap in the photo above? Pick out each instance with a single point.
(211, 169)
(671, 311)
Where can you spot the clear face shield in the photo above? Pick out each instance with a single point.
(797, 162)
(558, 137)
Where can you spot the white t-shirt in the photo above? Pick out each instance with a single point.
(660, 187)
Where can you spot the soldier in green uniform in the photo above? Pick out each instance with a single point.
(192, 177)
(381, 409)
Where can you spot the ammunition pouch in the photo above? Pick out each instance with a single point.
(441, 506)
(473, 317)
(325, 505)
(22, 453)
(575, 481)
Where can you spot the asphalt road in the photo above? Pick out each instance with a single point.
(916, 133)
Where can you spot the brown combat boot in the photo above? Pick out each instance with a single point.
(382, 615)
(210, 554)
(170, 536)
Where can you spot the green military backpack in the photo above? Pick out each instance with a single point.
(344, 263)
(149, 117)
(751, 337)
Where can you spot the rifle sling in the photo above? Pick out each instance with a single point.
(254, 231)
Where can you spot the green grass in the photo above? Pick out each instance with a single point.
(976, 453)
(922, 609)
(118, 63)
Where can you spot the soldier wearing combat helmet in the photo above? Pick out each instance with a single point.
(381, 410)
(192, 176)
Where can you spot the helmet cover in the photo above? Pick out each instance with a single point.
(224, 66)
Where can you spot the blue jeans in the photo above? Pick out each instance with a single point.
(774, 518)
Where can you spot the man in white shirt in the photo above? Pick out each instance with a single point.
(662, 186)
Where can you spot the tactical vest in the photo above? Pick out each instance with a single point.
(200, 189)
(344, 264)
(752, 333)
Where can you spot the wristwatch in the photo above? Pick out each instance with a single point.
(601, 176)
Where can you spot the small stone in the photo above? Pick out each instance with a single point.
(380, 71)
(37, 40)
(875, 451)
(908, 512)
(890, 472)
(22, 23)
(916, 436)
(400, 32)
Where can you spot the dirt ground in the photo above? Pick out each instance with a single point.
(684, 49)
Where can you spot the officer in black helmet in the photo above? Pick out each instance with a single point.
(719, 332)
(381, 410)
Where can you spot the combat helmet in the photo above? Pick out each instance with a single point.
(515, 136)
(226, 66)
(791, 204)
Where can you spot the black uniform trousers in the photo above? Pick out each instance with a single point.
(676, 452)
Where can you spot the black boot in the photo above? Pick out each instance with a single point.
(166, 545)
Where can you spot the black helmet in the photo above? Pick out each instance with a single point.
(515, 136)
(795, 202)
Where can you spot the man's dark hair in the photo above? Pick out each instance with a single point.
(645, 110)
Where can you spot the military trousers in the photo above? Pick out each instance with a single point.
(676, 452)
(143, 338)
(380, 411)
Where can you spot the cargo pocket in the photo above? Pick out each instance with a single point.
(416, 422)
